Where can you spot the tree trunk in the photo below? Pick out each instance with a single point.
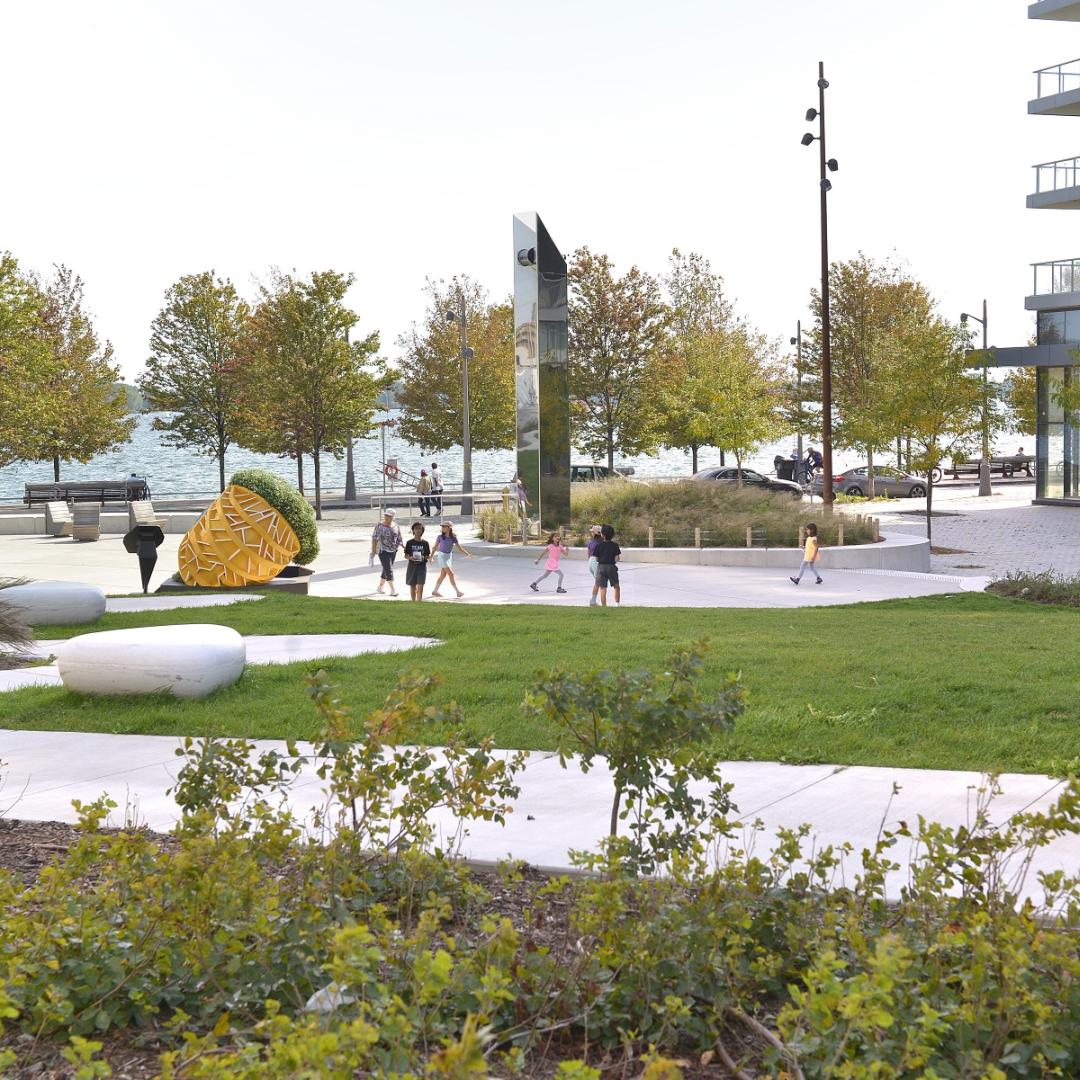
(300, 470)
(693, 457)
(869, 472)
(614, 829)
(907, 466)
(610, 453)
(721, 458)
(318, 483)
(221, 467)
(738, 466)
(929, 500)
(56, 468)
(899, 454)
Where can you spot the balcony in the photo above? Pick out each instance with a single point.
(1056, 286)
(1057, 185)
(1059, 10)
(1058, 90)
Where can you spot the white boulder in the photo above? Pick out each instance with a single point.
(186, 661)
(56, 603)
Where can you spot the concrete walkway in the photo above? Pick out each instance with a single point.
(558, 808)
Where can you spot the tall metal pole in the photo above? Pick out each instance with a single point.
(466, 434)
(798, 391)
(826, 355)
(350, 478)
(984, 465)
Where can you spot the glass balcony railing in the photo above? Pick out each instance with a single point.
(1060, 276)
(1058, 79)
(1056, 175)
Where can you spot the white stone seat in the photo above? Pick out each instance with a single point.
(56, 603)
(186, 661)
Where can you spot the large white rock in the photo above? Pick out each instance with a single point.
(187, 661)
(56, 603)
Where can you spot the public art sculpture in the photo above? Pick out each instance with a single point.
(249, 534)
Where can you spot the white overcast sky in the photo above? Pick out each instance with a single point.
(144, 140)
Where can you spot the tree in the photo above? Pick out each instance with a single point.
(696, 298)
(86, 411)
(1018, 393)
(938, 397)
(304, 387)
(872, 306)
(618, 334)
(192, 369)
(431, 397)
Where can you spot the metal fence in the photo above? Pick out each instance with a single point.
(1055, 175)
(1059, 276)
(1058, 79)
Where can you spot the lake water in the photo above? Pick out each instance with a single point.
(176, 472)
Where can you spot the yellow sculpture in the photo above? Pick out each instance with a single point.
(240, 540)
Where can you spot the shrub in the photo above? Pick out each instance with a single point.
(15, 635)
(502, 522)
(723, 512)
(1046, 587)
(289, 503)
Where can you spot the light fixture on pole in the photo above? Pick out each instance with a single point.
(984, 461)
(466, 436)
(825, 184)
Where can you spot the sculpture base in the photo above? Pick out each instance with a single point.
(293, 579)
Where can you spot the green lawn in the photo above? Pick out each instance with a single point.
(964, 681)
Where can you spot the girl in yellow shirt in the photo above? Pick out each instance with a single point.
(810, 556)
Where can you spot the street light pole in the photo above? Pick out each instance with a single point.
(827, 165)
(466, 435)
(984, 463)
(350, 478)
(797, 342)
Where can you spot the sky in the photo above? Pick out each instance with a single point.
(146, 140)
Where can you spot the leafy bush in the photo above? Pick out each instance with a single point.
(502, 522)
(15, 635)
(289, 503)
(723, 512)
(1046, 587)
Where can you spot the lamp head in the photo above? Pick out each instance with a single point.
(807, 139)
(794, 341)
(823, 84)
(811, 114)
(450, 316)
(832, 164)
(963, 318)
(469, 353)
(826, 185)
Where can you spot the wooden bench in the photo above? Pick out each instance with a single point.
(86, 523)
(1006, 467)
(58, 520)
(141, 512)
(99, 491)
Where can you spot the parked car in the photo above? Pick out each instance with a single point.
(584, 473)
(887, 481)
(730, 475)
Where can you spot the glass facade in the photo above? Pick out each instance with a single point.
(1058, 449)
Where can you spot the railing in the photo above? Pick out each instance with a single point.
(1060, 276)
(1058, 79)
(1056, 175)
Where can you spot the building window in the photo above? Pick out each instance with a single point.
(1058, 450)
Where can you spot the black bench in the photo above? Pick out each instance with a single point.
(1007, 467)
(99, 491)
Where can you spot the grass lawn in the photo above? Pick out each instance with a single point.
(964, 681)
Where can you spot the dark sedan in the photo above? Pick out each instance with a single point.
(729, 475)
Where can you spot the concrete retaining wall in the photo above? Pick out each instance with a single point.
(911, 553)
(115, 521)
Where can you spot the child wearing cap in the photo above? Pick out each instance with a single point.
(445, 545)
(385, 541)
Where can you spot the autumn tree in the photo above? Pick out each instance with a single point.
(430, 365)
(304, 386)
(938, 397)
(192, 370)
(617, 338)
(872, 307)
(85, 410)
(1018, 395)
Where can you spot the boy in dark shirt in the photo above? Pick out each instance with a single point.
(607, 554)
(417, 555)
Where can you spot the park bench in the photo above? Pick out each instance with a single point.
(58, 520)
(141, 512)
(1005, 466)
(76, 491)
(86, 522)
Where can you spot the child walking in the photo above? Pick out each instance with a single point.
(418, 552)
(594, 539)
(446, 543)
(555, 549)
(810, 556)
(607, 571)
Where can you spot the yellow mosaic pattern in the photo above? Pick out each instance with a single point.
(240, 540)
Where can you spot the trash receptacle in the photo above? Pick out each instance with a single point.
(785, 468)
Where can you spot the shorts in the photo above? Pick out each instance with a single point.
(416, 573)
(443, 559)
(592, 566)
(607, 574)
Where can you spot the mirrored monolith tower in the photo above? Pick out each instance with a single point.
(540, 375)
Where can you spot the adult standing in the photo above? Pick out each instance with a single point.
(423, 489)
(385, 542)
(436, 488)
(522, 499)
(445, 545)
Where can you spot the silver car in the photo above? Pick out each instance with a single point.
(887, 481)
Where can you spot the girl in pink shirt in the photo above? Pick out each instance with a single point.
(555, 549)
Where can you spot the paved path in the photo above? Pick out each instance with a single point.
(558, 808)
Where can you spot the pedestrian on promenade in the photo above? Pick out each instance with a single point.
(522, 499)
(810, 556)
(607, 555)
(446, 543)
(555, 549)
(594, 539)
(436, 488)
(385, 541)
(418, 552)
(423, 489)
